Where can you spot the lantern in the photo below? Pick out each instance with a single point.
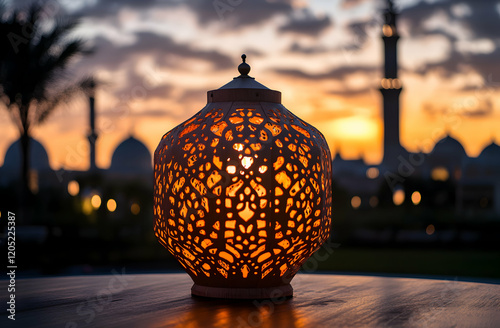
(242, 192)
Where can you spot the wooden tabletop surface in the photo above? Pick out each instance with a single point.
(164, 300)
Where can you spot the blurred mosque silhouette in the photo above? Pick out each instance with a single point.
(467, 184)
(131, 164)
(474, 182)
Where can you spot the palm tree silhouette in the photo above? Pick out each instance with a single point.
(33, 63)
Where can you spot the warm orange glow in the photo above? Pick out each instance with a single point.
(247, 162)
(386, 83)
(111, 205)
(355, 127)
(430, 229)
(398, 197)
(87, 206)
(416, 197)
(135, 208)
(73, 188)
(440, 174)
(255, 220)
(372, 173)
(391, 83)
(95, 201)
(238, 146)
(387, 30)
(356, 202)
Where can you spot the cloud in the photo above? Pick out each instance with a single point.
(143, 113)
(347, 4)
(480, 18)
(142, 85)
(334, 74)
(232, 13)
(473, 106)
(360, 30)
(238, 13)
(351, 92)
(106, 8)
(128, 81)
(307, 50)
(456, 62)
(306, 23)
(162, 48)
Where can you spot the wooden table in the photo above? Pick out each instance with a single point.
(164, 300)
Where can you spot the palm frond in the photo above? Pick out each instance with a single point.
(82, 87)
(31, 71)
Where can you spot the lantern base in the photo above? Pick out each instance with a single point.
(243, 293)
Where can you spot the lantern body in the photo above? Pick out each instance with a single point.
(242, 194)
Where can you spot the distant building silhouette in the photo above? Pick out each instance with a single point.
(92, 133)
(391, 88)
(131, 160)
(474, 182)
(39, 164)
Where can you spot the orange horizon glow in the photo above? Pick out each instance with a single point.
(354, 136)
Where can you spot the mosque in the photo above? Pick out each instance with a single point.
(475, 181)
(131, 162)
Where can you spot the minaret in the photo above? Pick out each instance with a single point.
(92, 135)
(391, 87)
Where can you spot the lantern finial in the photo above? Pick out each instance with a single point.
(244, 68)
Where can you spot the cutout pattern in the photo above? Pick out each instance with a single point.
(242, 195)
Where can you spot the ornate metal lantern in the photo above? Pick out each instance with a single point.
(242, 192)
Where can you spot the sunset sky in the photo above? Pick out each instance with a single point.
(158, 59)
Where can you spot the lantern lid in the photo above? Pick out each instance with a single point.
(244, 88)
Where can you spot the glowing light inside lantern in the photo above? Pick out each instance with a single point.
(242, 191)
(231, 169)
(247, 162)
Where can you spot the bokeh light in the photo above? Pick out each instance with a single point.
(372, 173)
(73, 188)
(111, 205)
(440, 174)
(135, 208)
(416, 197)
(430, 229)
(398, 197)
(96, 201)
(355, 202)
(87, 206)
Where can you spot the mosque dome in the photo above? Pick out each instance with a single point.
(131, 156)
(448, 146)
(39, 160)
(490, 153)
